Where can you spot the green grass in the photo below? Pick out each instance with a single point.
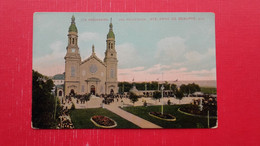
(208, 90)
(182, 120)
(81, 118)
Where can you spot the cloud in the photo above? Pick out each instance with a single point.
(196, 56)
(193, 56)
(173, 51)
(170, 49)
(197, 61)
(127, 55)
(157, 69)
(154, 73)
(89, 36)
(52, 63)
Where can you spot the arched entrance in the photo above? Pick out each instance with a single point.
(72, 92)
(60, 93)
(93, 90)
(111, 91)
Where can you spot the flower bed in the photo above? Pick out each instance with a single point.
(193, 110)
(166, 117)
(103, 121)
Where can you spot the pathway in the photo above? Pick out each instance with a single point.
(95, 102)
(132, 118)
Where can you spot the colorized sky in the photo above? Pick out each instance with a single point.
(150, 46)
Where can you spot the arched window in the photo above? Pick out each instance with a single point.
(111, 73)
(72, 40)
(72, 71)
(111, 45)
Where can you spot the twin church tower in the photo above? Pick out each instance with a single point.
(91, 75)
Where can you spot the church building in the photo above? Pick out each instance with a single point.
(91, 75)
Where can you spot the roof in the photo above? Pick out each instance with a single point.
(110, 33)
(198, 93)
(60, 86)
(58, 77)
(134, 90)
(73, 27)
(93, 56)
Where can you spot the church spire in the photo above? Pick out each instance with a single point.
(111, 25)
(73, 27)
(110, 33)
(73, 19)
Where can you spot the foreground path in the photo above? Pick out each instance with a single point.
(132, 118)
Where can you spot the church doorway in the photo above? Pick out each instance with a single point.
(111, 91)
(92, 90)
(72, 93)
(60, 93)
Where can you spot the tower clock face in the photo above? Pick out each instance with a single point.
(73, 50)
(93, 68)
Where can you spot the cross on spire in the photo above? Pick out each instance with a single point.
(73, 19)
(93, 48)
(111, 25)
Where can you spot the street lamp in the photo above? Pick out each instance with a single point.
(145, 88)
(162, 88)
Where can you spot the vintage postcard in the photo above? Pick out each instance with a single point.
(124, 70)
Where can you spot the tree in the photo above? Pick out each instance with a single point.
(133, 97)
(124, 86)
(179, 95)
(166, 85)
(190, 88)
(193, 88)
(184, 89)
(43, 102)
(157, 95)
(174, 88)
(153, 85)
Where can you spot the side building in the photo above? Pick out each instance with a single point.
(58, 81)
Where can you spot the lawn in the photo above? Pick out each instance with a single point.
(208, 90)
(182, 120)
(81, 118)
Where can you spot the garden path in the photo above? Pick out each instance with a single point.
(142, 123)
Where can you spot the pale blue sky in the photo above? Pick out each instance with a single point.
(183, 49)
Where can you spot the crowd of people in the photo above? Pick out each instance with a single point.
(67, 99)
(64, 120)
(207, 104)
(212, 101)
(110, 98)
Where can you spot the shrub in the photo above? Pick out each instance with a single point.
(73, 106)
(169, 102)
(133, 97)
(145, 103)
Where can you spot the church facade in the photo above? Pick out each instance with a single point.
(91, 75)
